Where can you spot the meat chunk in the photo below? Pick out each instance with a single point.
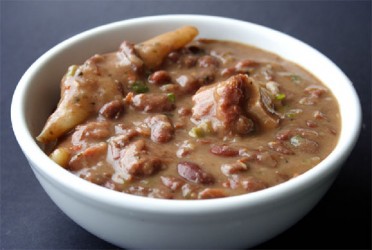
(152, 103)
(88, 157)
(90, 133)
(136, 160)
(230, 105)
(118, 142)
(161, 128)
(128, 56)
(211, 193)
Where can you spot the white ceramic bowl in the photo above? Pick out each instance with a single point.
(139, 222)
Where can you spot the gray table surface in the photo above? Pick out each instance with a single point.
(339, 29)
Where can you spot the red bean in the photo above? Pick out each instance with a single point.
(252, 184)
(245, 66)
(194, 173)
(112, 110)
(173, 183)
(234, 168)
(160, 77)
(224, 150)
(211, 193)
(280, 147)
(208, 61)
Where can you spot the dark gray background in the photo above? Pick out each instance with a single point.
(339, 29)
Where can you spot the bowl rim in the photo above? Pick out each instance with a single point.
(92, 192)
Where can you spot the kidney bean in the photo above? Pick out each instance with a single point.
(211, 193)
(187, 83)
(112, 110)
(234, 168)
(189, 61)
(244, 125)
(280, 147)
(266, 159)
(311, 124)
(304, 144)
(319, 115)
(159, 77)
(245, 66)
(194, 49)
(174, 56)
(315, 90)
(228, 71)
(171, 182)
(224, 150)
(194, 173)
(208, 61)
(252, 184)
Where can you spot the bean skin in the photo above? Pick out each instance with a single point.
(194, 173)
(159, 77)
(224, 150)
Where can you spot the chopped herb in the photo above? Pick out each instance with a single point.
(171, 97)
(291, 115)
(139, 87)
(280, 96)
(196, 132)
(201, 130)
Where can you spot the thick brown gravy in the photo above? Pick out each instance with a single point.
(198, 126)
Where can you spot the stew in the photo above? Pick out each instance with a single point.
(176, 117)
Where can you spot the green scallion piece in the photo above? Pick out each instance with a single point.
(196, 132)
(280, 96)
(171, 97)
(139, 87)
(201, 130)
